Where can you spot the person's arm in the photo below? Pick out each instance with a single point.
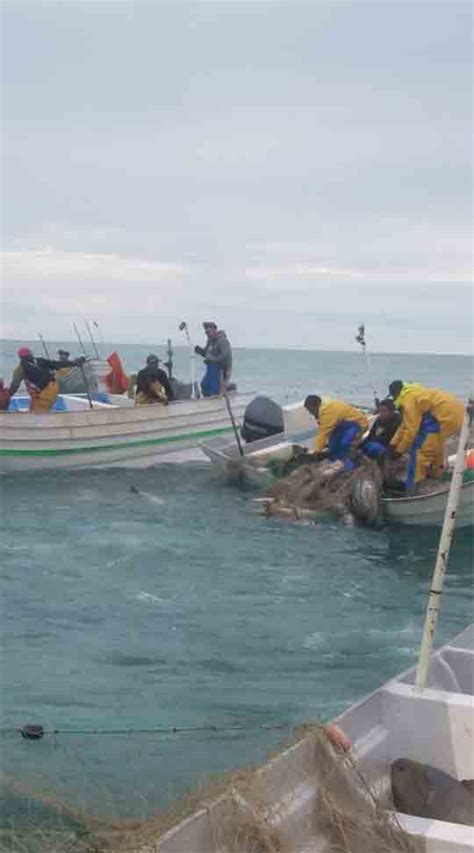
(17, 379)
(374, 432)
(326, 423)
(51, 364)
(166, 384)
(406, 433)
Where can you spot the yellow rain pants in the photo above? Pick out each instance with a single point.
(43, 401)
(430, 417)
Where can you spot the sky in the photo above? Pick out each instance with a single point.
(288, 169)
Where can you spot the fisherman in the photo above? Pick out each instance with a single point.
(153, 385)
(217, 355)
(39, 376)
(429, 418)
(382, 430)
(340, 428)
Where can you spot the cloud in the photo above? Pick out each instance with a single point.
(300, 271)
(52, 264)
(310, 272)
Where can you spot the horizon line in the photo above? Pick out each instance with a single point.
(291, 348)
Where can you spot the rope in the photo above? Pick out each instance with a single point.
(153, 731)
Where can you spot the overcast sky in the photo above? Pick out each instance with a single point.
(288, 169)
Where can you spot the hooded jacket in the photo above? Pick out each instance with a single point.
(218, 351)
(332, 413)
(416, 401)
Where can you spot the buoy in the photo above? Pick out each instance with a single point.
(32, 732)
(470, 459)
(338, 738)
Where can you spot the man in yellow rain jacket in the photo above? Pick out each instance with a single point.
(429, 417)
(340, 428)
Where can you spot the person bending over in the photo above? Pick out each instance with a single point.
(153, 385)
(429, 417)
(39, 376)
(340, 428)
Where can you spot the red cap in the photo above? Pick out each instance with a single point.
(23, 352)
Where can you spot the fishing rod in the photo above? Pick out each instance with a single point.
(360, 338)
(97, 354)
(183, 327)
(79, 339)
(44, 345)
(86, 385)
(99, 333)
(169, 353)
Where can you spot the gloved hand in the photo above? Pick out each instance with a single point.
(80, 361)
(198, 350)
(323, 454)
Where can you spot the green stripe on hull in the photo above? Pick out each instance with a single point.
(51, 451)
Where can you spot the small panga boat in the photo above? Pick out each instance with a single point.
(254, 467)
(113, 432)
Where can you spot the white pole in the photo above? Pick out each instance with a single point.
(360, 338)
(447, 533)
(184, 328)
(369, 371)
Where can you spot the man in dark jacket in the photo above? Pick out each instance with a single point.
(153, 385)
(217, 355)
(382, 430)
(39, 376)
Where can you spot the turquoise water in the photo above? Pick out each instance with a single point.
(183, 607)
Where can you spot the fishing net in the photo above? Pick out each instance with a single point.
(311, 796)
(325, 487)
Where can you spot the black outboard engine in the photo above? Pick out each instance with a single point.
(262, 418)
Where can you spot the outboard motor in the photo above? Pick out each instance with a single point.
(365, 498)
(263, 417)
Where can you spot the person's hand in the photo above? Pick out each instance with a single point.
(80, 361)
(198, 350)
(321, 455)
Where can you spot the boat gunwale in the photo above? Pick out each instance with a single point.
(11, 420)
(410, 499)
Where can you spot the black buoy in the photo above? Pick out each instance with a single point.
(32, 732)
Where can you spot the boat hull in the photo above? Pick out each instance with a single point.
(110, 435)
(428, 510)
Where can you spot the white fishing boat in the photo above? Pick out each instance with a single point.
(112, 432)
(282, 799)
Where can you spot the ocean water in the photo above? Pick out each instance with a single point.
(183, 608)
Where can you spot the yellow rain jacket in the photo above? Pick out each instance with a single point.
(331, 413)
(416, 401)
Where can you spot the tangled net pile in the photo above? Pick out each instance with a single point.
(258, 811)
(327, 487)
